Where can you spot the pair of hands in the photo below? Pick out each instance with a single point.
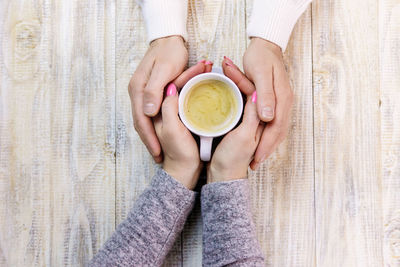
(264, 72)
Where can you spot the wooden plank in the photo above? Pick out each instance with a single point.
(216, 28)
(134, 165)
(283, 188)
(56, 131)
(390, 128)
(346, 133)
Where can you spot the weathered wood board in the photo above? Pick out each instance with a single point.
(348, 195)
(57, 131)
(389, 40)
(71, 164)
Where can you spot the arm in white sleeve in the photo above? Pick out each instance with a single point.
(274, 20)
(164, 18)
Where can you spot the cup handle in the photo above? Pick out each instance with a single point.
(205, 148)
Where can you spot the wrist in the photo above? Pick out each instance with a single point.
(218, 174)
(186, 174)
(173, 38)
(260, 42)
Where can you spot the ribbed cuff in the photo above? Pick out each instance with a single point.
(274, 20)
(165, 18)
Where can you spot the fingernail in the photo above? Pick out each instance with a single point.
(149, 108)
(202, 61)
(256, 166)
(171, 89)
(262, 158)
(228, 64)
(227, 58)
(267, 112)
(208, 62)
(254, 97)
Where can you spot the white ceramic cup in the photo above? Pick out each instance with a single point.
(206, 138)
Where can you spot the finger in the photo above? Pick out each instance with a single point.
(209, 65)
(145, 128)
(276, 131)
(250, 119)
(161, 75)
(263, 81)
(238, 77)
(157, 124)
(141, 122)
(169, 109)
(259, 131)
(282, 84)
(194, 70)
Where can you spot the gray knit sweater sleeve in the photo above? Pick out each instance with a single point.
(229, 236)
(148, 233)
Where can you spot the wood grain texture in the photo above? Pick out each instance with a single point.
(56, 131)
(71, 164)
(346, 133)
(134, 165)
(390, 128)
(282, 189)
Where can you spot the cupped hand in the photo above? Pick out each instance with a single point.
(263, 66)
(234, 153)
(181, 154)
(163, 62)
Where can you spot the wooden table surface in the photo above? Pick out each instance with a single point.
(71, 164)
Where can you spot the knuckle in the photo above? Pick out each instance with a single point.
(134, 84)
(268, 95)
(150, 92)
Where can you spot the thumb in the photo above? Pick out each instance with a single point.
(266, 94)
(169, 109)
(160, 76)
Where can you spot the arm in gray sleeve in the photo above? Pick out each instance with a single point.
(229, 236)
(148, 233)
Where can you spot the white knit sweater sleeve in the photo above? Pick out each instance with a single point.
(164, 18)
(274, 20)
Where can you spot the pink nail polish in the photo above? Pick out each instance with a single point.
(171, 90)
(208, 62)
(202, 61)
(254, 97)
(227, 58)
(228, 64)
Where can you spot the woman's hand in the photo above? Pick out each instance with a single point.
(181, 154)
(233, 155)
(263, 65)
(163, 62)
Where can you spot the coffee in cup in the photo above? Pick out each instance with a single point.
(210, 105)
